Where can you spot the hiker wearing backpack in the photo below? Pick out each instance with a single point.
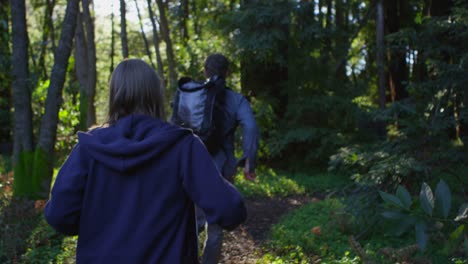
(213, 112)
(128, 188)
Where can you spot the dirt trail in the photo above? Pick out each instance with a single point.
(244, 245)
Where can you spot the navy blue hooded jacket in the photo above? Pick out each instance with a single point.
(128, 192)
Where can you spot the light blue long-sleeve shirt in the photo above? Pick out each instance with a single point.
(237, 112)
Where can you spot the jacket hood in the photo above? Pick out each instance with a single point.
(131, 142)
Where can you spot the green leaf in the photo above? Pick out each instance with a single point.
(404, 225)
(392, 199)
(462, 212)
(466, 246)
(427, 199)
(421, 235)
(395, 215)
(457, 233)
(404, 196)
(443, 198)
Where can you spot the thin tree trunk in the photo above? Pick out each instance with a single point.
(380, 54)
(396, 15)
(81, 67)
(143, 34)
(196, 24)
(184, 21)
(156, 41)
(123, 29)
(166, 36)
(112, 53)
(92, 74)
(48, 133)
(46, 32)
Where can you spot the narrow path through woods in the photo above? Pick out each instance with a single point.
(244, 245)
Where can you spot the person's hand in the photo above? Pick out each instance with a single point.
(248, 175)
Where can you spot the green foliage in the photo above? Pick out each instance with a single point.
(295, 230)
(430, 217)
(271, 183)
(268, 184)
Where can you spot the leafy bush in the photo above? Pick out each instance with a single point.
(430, 217)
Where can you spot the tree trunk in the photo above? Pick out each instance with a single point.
(46, 32)
(143, 34)
(123, 29)
(167, 39)
(156, 41)
(184, 20)
(112, 52)
(341, 42)
(380, 54)
(81, 67)
(23, 142)
(380, 58)
(5, 81)
(47, 137)
(395, 17)
(92, 74)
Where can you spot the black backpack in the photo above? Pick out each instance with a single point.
(199, 106)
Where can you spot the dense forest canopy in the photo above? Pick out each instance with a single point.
(375, 87)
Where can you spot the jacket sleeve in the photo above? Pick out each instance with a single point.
(63, 209)
(246, 119)
(219, 200)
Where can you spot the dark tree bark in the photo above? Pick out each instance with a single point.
(92, 73)
(81, 68)
(156, 41)
(23, 139)
(184, 20)
(380, 54)
(143, 34)
(5, 81)
(167, 39)
(440, 7)
(48, 132)
(123, 29)
(341, 46)
(380, 59)
(396, 14)
(112, 52)
(46, 33)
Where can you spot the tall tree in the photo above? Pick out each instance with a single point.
(47, 29)
(81, 68)
(92, 74)
(143, 34)
(112, 51)
(123, 29)
(184, 20)
(396, 16)
(380, 54)
(23, 139)
(5, 79)
(43, 157)
(156, 40)
(167, 39)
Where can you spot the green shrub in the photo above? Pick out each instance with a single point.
(430, 216)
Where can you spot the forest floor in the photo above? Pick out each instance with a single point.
(245, 243)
